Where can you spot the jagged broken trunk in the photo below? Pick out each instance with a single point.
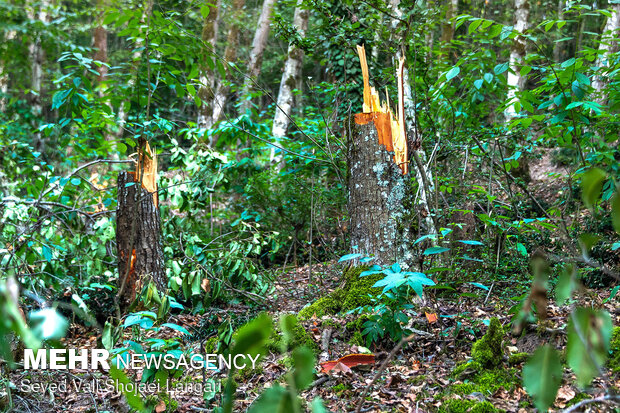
(138, 239)
(379, 192)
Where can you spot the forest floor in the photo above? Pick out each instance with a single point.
(419, 378)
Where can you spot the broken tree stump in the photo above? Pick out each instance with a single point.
(138, 239)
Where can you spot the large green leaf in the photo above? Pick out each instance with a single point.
(542, 375)
(591, 185)
(589, 334)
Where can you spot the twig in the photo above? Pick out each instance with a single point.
(613, 398)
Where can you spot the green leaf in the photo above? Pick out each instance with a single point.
(615, 211)
(568, 63)
(435, 250)
(525, 70)
(317, 406)
(500, 68)
(133, 398)
(474, 25)
(452, 73)
(349, 257)
(589, 334)
(303, 374)
(191, 89)
(495, 30)
(204, 11)
(542, 376)
(176, 327)
(484, 287)
(612, 295)
(591, 185)
(567, 283)
(275, 399)
(251, 338)
(478, 83)
(488, 77)
(48, 324)
(469, 242)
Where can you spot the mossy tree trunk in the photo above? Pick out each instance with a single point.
(378, 194)
(138, 229)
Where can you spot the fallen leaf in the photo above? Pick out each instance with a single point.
(349, 361)
(431, 317)
(161, 407)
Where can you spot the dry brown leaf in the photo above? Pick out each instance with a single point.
(161, 407)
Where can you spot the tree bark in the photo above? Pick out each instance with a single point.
(557, 48)
(206, 92)
(607, 47)
(37, 55)
(515, 81)
(138, 239)
(5, 73)
(256, 55)
(230, 56)
(290, 78)
(447, 31)
(378, 192)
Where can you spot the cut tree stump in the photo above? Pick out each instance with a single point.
(138, 238)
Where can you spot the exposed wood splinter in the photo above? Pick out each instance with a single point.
(390, 128)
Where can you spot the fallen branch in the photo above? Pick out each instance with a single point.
(615, 399)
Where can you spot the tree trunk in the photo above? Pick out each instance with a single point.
(230, 56)
(4, 73)
(378, 191)
(138, 239)
(606, 48)
(256, 55)
(290, 77)
(557, 48)
(206, 91)
(447, 31)
(515, 81)
(36, 55)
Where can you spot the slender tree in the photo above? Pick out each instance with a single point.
(290, 77)
(607, 46)
(230, 56)
(37, 55)
(515, 81)
(256, 54)
(206, 91)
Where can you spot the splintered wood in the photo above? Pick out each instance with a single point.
(149, 171)
(390, 128)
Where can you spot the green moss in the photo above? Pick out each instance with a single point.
(416, 380)
(517, 358)
(467, 368)
(330, 304)
(469, 406)
(489, 351)
(211, 345)
(487, 382)
(357, 339)
(614, 360)
(357, 292)
(300, 338)
(341, 389)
